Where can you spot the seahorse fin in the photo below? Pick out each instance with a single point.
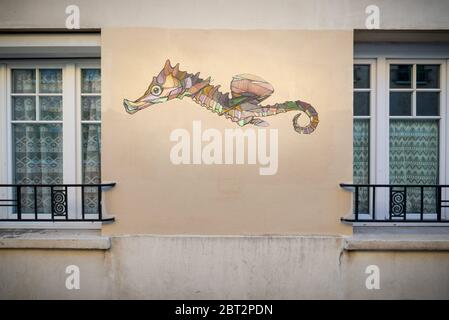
(251, 86)
(259, 122)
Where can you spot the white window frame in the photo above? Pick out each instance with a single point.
(372, 121)
(380, 125)
(79, 120)
(72, 134)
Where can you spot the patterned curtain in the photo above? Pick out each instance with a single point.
(361, 161)
(91, 134)
(414, 160)
(37, 159)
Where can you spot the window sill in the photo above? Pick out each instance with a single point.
(64, 225)
(399, 242)
(400, 224)
(54, 239)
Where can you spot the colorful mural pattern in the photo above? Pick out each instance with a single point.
(243, 107)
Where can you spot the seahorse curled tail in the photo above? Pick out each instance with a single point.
(311, 113)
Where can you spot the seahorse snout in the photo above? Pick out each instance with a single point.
(133, 106)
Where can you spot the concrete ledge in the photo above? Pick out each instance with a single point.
(54, 239)
(366, 244)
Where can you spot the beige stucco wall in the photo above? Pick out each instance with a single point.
(185, 267)
(41, 274)
(155, 196)
(233, 14)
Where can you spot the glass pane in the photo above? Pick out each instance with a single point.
(23, 108)
(361, 103)
(400, 103)
(23, 81)
(361, 161)
(90, 108)
(90, 81)
(400, 76)
(427, 76)
(91, 144)
(427, 103)
(414, 159)
(37, 159)
(50, 108)
(50, 81)
(361, 76)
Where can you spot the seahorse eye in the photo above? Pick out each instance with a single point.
(156, 90)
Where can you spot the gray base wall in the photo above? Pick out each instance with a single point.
(217, 267)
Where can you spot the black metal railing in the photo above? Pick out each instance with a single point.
(53, 202)
(398, 203)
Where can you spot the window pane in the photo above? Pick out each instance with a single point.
(23, 108)
(90, 108)
(400, 103)
(50, 108)
(23, 81)
(361, 160)
(427, 76)
(50, 81)
(361, 103)
(414, 148)
(427, 103)
(90, 81)
(37, 159)
(361, 76)
(91, 134)
(400, 76)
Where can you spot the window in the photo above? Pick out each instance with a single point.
(414, 108)
(362, 111)
(400, 136)
(53, 129)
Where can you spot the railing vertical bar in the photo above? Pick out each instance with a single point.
(35, 202)
(422, 203)
(438, 204)
(66, 203)
(374, 203)
(356, 208)
(52, 204)
(19, 202)
(99, 204)
(390, 203)
(82, 202)
(405, 203)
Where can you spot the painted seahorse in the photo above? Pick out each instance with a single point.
(247, 92)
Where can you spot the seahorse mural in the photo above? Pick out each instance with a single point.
(247, 92)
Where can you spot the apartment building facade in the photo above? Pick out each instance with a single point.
(307, 159)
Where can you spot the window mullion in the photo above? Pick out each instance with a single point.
(414, 90)
(36, 94)
(69, 133)
(382, 135)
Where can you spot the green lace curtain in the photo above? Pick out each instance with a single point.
(37, 156)
(414, 160)
(361, 160)
(91, 164)
(37, 159)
